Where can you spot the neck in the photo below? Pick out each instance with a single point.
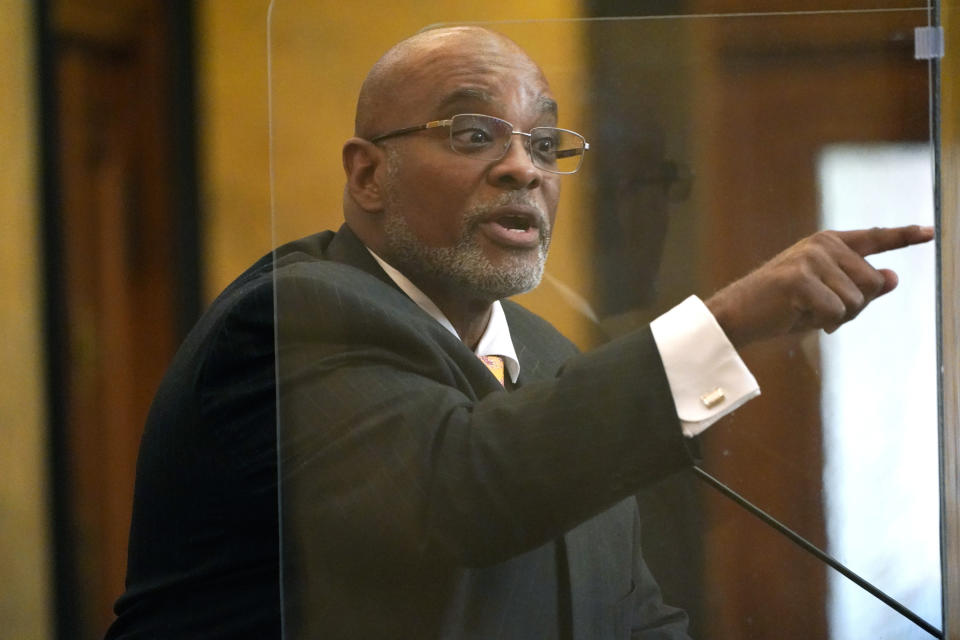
(469, 316)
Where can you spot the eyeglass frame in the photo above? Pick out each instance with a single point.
(433, 124)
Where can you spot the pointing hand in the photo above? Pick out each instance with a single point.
(820, 282)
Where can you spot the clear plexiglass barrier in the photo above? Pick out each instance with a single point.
(715, 142)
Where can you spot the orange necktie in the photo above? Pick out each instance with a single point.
(495, 364)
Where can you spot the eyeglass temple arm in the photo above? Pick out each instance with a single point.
(399, 132)
(566, 153)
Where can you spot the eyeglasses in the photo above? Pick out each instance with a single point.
(488, 138)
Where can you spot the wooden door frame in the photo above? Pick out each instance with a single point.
(120, 258)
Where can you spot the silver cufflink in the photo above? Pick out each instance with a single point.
(713, 398)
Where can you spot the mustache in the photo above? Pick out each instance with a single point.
(479, 212)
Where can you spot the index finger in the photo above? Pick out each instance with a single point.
(879, 239)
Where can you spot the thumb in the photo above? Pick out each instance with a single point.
(890, 281)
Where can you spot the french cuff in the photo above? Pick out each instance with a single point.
(707, 378)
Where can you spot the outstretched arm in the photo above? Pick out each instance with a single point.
(820, 282)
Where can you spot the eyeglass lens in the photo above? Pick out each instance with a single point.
(488, 138)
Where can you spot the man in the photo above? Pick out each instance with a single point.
(419, 497)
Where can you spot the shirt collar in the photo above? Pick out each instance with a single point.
(496, 339)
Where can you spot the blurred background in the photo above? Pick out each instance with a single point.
(135, 143)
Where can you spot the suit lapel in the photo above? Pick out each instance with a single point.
(539, 353)
(346, 248)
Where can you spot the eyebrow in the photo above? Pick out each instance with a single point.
(473, 94)
(547, 105)
(464, 94)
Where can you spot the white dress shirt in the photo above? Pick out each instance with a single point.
(707, 378)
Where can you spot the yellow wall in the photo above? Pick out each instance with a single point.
(320, 52)
(234, 144)
(24, 535)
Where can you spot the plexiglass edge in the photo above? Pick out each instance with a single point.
(950, 325)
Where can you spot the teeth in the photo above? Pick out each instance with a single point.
(511, 223)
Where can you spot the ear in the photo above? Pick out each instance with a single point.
(361, 159)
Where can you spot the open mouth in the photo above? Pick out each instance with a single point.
(515, 223)
(514, 227)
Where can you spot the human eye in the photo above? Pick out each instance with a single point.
(472, 136)
(545, 144)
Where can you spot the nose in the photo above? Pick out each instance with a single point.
(515, 170)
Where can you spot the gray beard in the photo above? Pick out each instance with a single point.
(464, 265)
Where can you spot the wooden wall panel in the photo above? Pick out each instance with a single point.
(25, 556)
(116, 232)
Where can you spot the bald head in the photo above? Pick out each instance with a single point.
(466, 228)
(411, 66)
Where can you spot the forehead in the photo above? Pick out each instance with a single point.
(477, 73)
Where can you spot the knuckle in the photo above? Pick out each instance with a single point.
(870, 282)
(824, 244)
(828, 237)
(805, 248)
(799, 276)
(858, 300)
(838, 312)
(875, 283)
(819, 239)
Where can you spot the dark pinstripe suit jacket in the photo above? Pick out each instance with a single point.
(417, 498)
